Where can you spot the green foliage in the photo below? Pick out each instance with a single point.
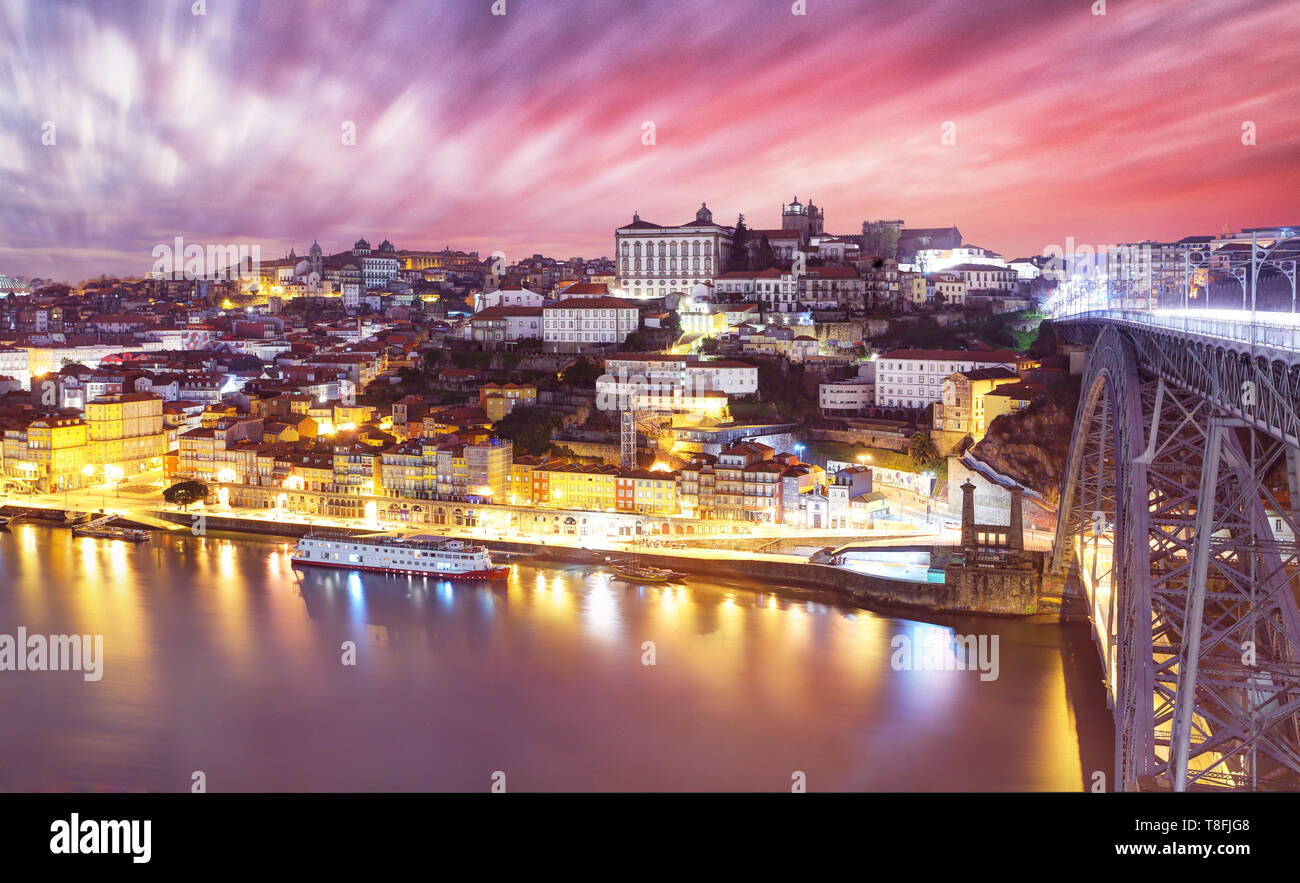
(739, 256)
(472, 361)
(530, 429)
(434, 360)
(766, 257)
(582, 373)
(183, 493)
(921, 449)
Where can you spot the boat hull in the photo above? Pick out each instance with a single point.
(487, 574)
(634, 577)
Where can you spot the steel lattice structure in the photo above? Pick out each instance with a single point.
(1193, 600)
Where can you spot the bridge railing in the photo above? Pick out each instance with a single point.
(1278, 330)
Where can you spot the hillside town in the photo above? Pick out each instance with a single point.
(709, 378)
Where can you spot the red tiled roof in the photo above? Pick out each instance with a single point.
(955, 355)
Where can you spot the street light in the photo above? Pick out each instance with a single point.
(113, 474)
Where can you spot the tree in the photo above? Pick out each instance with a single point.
(709, 345)
(582, 372)
(766, 257)
(634, 342)
(185, 492)
(739, 237)
(921, 449)
(529, 428)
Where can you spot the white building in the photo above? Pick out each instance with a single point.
(914, 378)
(654, 260)
(505, 323)
(949, 289)
(935, 260)
(1026, 269)
(13, 363)
(775, 288)
(846, 398)
(733, 378)
(510, 295)
(378, 266)
(985, 277)
(671, 376)
(578, 322)
(836, 249)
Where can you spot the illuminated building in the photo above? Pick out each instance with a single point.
(48, 453)
(654, 260)
(499, 399)
(576, 323)
(914, 378)
(126, 430)
(961, 408)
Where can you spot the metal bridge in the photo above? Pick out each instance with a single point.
(1178, 512)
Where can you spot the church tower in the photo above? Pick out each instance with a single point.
(315, 259)
(806, 219)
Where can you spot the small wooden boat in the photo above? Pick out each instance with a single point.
(641, 573)
(128, 534)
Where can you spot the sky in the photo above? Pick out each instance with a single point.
(526, 132)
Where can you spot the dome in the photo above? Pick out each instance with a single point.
(361, 243)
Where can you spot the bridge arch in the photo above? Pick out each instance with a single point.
(1164, 518)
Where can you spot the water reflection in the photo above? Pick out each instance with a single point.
(221, 656)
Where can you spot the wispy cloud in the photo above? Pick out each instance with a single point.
(523, 132)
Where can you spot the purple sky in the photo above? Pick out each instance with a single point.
(523, 132)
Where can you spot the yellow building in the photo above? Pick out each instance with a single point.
(215, 412)
(962, 407)
(647, 492)
(1008, 399)
(126, 431)
(576, 486)
(50, 453)
(348, 417)
(519, 490)
(918, 290)
(499, 399)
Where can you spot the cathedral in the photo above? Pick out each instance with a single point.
(806, 220)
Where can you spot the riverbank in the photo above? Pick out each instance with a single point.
(873, 592)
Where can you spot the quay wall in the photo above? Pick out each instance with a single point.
(970, 594)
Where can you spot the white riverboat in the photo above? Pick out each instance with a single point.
(425, 555)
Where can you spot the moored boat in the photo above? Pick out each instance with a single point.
(641, 573)
(423, 555)
(131, 535)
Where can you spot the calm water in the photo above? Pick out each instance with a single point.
(220, 657)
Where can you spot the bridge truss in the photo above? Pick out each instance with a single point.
(1167, 512)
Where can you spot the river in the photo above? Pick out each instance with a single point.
(220, 658)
